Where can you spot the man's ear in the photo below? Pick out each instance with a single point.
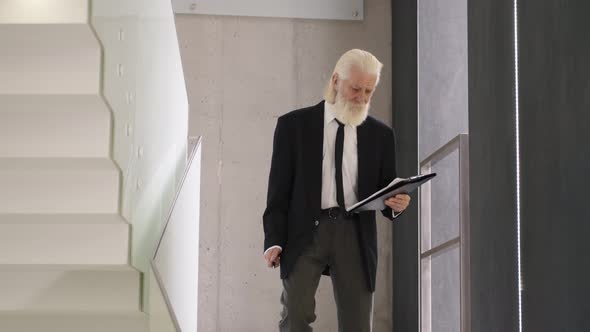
(335, 80)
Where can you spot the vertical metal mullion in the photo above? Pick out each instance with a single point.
(464, 233)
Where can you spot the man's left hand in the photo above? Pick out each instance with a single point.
(398, 203)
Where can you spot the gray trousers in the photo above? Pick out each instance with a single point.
(335, 243)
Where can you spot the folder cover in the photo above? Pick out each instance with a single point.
(398, 186)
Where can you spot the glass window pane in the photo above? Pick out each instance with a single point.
(441, 291)
(442, 73)
(441, 224)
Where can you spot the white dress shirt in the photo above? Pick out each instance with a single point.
(349, 164)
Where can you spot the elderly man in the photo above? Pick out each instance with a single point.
(327, 157)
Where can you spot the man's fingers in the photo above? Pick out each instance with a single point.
(399, 200)
(396, 204)
(402, 198)
(273, 258)
(395, 207)
(274, 263)
(271, 261)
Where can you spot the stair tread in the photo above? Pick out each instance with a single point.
(73, 313)
(41, 53)
(67, 267)
(79, 313)
(19, 12)
(51, 37)
(57, 164)
(62, 219)
(79, 321)
(52, 103)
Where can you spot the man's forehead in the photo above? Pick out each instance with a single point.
(358, 76)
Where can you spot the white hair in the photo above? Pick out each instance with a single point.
(364, 60)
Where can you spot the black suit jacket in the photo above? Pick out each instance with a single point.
(294, 186)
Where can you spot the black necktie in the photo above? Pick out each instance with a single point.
(339, 151)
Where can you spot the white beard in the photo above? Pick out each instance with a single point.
(349, 113)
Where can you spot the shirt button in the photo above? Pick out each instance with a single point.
(317, 222)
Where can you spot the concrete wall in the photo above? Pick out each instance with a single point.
(242, 73)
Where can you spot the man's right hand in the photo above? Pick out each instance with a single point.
(273, 257)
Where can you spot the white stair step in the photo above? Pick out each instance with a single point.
(47, 11)
(31, 321)
(61, 219)
(58, 185)
(69, 287)
(23, 240)
(54, 126)
(49, 59)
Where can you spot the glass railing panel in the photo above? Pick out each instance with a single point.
(176, 259)
(161, 317)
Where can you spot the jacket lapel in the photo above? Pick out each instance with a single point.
(364, 160)
(314, 141)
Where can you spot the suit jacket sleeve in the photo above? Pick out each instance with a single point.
(280, 184)
(388, 168)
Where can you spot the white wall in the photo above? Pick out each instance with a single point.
(242, 73)
(325, 9)
(144, 84)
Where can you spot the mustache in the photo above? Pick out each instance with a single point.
(356, 107)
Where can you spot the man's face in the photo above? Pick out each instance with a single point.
(353, 96)
(358, 88)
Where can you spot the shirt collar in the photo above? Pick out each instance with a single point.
(328, 113)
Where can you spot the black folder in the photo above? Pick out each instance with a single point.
(376, 202)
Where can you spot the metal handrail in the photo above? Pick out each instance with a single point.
(193, 143)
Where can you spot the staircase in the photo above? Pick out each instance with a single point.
(64, 248)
